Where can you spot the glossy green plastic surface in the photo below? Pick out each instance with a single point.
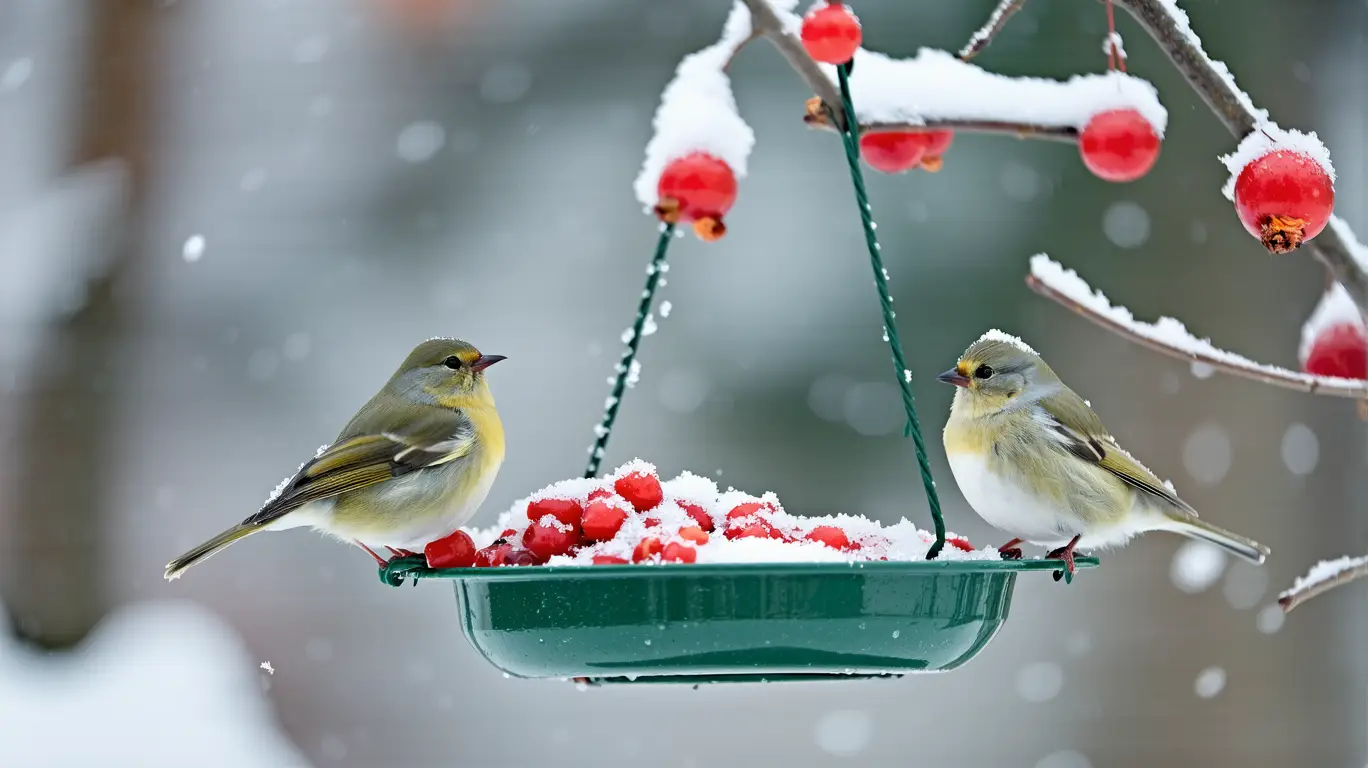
(736, 623)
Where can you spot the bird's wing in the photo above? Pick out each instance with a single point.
(437, 437)
(1081, 433)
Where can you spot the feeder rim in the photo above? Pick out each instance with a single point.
(400, 569)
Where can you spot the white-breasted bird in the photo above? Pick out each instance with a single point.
(1033, 460)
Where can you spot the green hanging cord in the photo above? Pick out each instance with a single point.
(624, 366)
(851, 138)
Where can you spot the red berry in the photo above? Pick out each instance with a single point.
(698, 514)
(600, 493)
(893, 151)
(646, 548)
(1284, 198)
(937, 142)
(641, 490)
(545, 541)
(1119, 145)
(960, 543)
(831, 33)
(747, 509)
(760, 530)
(829, 535)
(693, 533)
(454, 551)
(602, 520)
(674, 552)
(564, 510)
(651, 522)
(1340, 350)
(609, 560)
(695, 187)
(493, 555)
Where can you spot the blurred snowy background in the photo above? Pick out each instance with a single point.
(222, 224)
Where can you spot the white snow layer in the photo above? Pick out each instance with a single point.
(900, 541)
(1166, 330)
(1335, 308)
(697, 111)
(938, 86)
(1268, 138)
(1006, 338)
(1324, 571)
(157, 685)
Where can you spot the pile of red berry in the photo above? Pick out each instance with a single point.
(629, 517)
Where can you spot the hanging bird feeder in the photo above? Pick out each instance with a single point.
(752, 621)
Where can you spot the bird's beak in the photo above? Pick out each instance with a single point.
(484, 361)
(953, 376)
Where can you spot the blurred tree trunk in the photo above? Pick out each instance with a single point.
(52, 584)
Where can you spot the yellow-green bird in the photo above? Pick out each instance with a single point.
(413, 465)
(1033, 460)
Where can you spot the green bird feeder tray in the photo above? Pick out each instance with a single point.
(747, 622)
(720, 623)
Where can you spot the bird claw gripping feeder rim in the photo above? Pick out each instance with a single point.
(753, 622)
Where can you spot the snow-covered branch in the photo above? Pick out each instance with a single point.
(1337, 247)
(780, 32)
(1323, 577)
(990, 29)
(1168, 336)
(935, 89)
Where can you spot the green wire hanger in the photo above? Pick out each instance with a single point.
(850, 137)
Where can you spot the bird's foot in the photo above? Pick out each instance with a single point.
(1010, 550)
(1065, 553)
(401, 552)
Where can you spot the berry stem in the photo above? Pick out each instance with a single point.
(1114, 57)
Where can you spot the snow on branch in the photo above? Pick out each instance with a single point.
(697, 111)
(936, 89)
(1323, 577)
(1169, 336)
(990, 29)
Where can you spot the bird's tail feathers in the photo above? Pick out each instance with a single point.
(1234, 543)
(176, 567)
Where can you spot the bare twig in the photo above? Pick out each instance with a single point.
(1213, 83)
(765, 22)
(1340, 572)
(990, 29)
(1319, 385)
(1062, 133)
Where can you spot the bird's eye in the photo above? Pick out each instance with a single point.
(983, 371)
(452, 362)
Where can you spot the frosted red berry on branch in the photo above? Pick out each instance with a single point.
(831, 33)
(696, 188)
(1339, 350)
(1284, 198)
(937, 142)
(1119, 145)
(893, 151)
